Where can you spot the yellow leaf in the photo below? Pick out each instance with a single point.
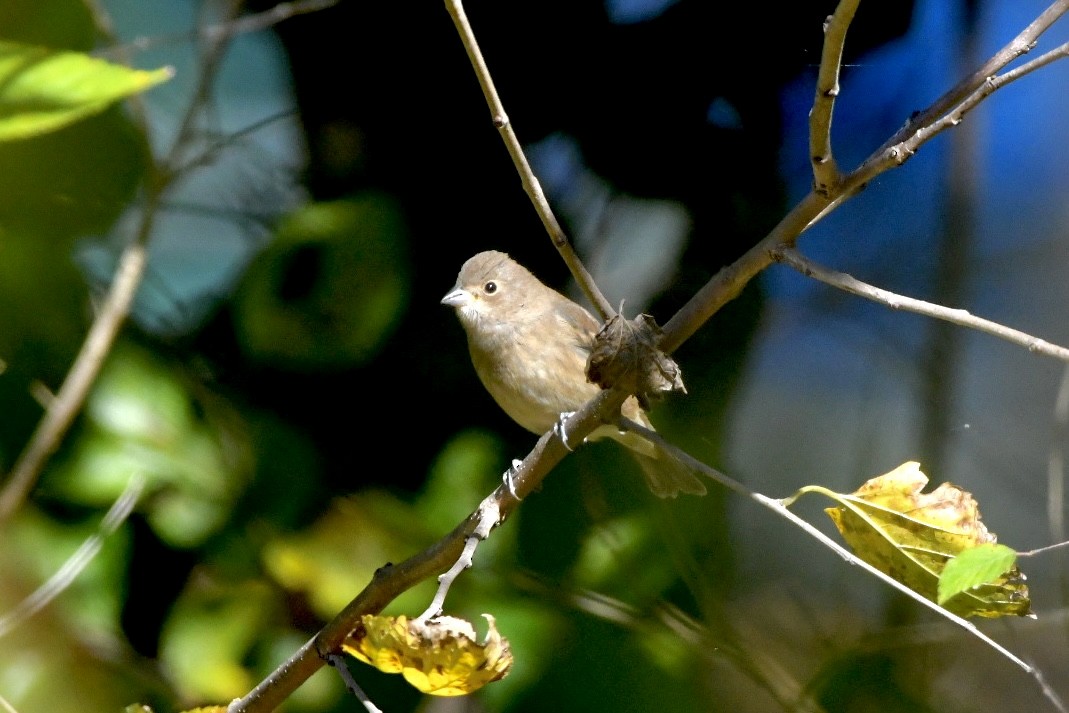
(440, 656)
(911, 535)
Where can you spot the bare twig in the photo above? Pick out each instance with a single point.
(105, 328)
(724, 286)
(392, 580)
(76, 563)
(1019, 45)
(825, 171)
(780, 508)
(960, 317)
(71, 395)
(530, 182)
(941, 115)
(256, 22)
(337, 662)
(488, 516)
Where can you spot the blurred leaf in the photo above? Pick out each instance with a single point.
(623, 556)
(468, 468)
(440, 656)
(54, 23)
(331, 561)
(983, 564)
(71, 182)
(42, 90)
(329, 290)
(911, 536)
(37, 547)
(209, 634)
(141, 417)
(72, 638)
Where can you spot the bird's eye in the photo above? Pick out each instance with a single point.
(490, 288)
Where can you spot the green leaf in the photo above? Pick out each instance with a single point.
(42, 90)
(983, 564)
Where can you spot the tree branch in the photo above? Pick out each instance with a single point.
(960, 317)
(941, 115)
(392, 580)
(825, 170)
(76, 563)
(531, 184)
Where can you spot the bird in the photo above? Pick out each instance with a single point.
(529, 345)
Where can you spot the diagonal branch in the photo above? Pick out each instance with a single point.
(77, 562)
(71, 395)
(960, 317)
(944, 113)
(116, 307)
(779, 506)
(392, 580)
(530, 182)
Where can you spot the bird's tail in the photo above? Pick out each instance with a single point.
(668, 477)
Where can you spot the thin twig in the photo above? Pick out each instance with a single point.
(77, 562)
(393, 580)
(488, 516)
(825, 171)
(256, 22)
(729, 281)
(105, 328)
(530, 182)
(71, 395)
(725, 285)
(1018, 46)
(337, 662)
(961, 317)
(1041, 550)
(780, 508)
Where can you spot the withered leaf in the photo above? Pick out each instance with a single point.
(625, 356)
(439, 656)
(911, 535)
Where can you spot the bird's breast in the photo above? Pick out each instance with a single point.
(533, 377)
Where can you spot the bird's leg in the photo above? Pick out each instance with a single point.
(507, 478)
(560, 429)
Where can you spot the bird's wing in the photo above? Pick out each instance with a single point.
(582, 323)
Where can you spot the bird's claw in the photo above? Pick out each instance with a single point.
(561, 430)
(508, 480)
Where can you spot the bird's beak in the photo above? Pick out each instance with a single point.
(457, 298)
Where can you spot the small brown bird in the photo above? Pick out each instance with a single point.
(529, 345)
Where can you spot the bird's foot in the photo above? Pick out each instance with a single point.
(508, 478)
(560, 429)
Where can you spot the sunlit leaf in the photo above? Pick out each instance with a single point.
(911, 535)
(43, 90)
(441, 656)
(974, 567)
